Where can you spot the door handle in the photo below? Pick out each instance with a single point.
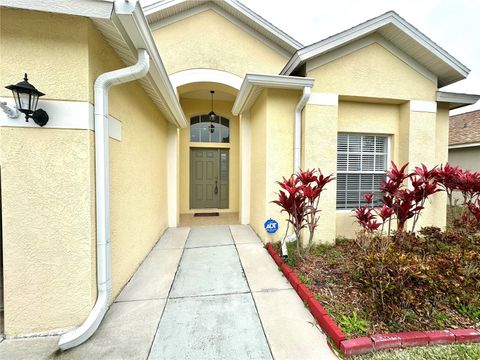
(216, 187)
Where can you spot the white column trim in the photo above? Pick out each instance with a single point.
(172, 176)
(73, 115)
(205, 75)
(325, 99)
(423, 106)
(245, 168)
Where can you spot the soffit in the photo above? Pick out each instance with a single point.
(115, 39)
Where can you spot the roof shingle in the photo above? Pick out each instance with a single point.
(465, 128)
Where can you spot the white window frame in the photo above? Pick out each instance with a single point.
(388, 159)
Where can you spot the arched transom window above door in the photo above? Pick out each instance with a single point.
(204, 129)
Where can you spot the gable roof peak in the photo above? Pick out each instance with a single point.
(397, 31)
(160, 12)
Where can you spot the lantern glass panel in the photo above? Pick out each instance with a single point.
(24, 101)
(16, 96)
(34, 102)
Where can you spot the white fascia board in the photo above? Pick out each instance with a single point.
(132, 20)
(160, 5)
(463, 146)
(456, 100)
(100, 9)
(255, 81)
(265, 24)
(366, 28)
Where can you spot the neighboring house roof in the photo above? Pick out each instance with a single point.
(465, 129)
(397, 31)
(164, 12)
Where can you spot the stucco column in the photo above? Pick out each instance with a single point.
(173, 175)
(279, 151)
(245, 166)
(419, 126)
(320, 127)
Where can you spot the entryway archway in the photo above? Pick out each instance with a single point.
(209, 154)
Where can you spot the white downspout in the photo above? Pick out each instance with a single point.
(102, 192)
(297, 157)
(297, 151)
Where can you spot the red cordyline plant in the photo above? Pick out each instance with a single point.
(400, 201)
(299, 197)
(453, 179)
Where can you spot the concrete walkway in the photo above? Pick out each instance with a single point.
(202, 293)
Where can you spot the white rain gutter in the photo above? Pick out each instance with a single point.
(297, 152)
(102, 193)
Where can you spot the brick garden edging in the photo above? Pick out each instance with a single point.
(376, 342)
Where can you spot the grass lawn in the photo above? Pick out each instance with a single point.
(445, 352)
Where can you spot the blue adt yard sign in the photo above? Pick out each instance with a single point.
(271, 226)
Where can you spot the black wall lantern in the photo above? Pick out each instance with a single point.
(26, 100)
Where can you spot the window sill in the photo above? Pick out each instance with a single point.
(210, 145)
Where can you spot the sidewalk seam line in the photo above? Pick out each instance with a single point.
(168, 296)
(253, 298)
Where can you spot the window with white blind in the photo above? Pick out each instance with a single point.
(361, 165)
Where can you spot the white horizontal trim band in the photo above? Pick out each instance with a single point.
(423, 106)
(326, 99)
(63, 115)
(462, 146)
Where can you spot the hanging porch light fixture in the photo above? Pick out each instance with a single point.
(211, 115)
(26, 100)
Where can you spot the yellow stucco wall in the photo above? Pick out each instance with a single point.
(47, 210)
(46, 179)
(374, 87)
(372, 72)
(192, 107)
(56, 64)
(209, 41)
(320, 127)
(279, 151)
(441, 153)
(47, 176)
(138, 163)
(271, 131)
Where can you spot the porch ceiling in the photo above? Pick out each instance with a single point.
(202, 91)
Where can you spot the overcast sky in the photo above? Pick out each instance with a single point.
(452, 24)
